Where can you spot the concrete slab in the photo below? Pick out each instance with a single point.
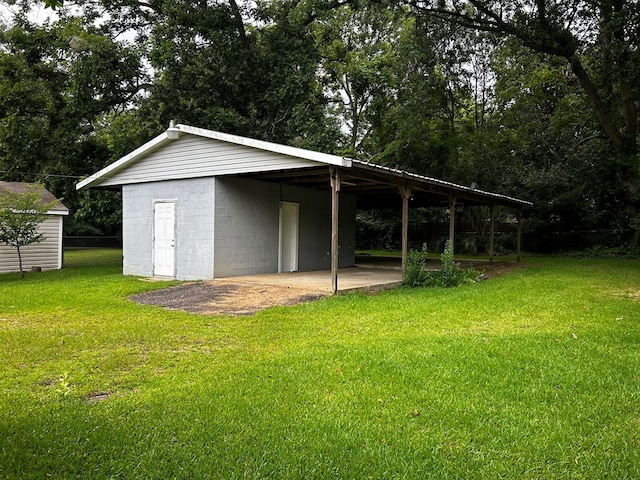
(349, 279)
(372, 274)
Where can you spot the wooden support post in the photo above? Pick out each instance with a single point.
(519, 236)
(406, 194)
(492, 231)
(452, 218)
(335, 190)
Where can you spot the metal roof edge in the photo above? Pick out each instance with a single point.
(264, 145)
(497, 196)
(94, 180)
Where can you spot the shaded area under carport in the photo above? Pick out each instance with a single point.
(379, 186)
(351, 279)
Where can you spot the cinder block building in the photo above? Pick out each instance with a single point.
(200, 204)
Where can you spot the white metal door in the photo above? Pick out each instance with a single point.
(164, 239)
(288, 251)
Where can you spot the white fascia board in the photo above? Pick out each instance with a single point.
(109, 170)
(60, 238)
(267, 146)
(48, 212)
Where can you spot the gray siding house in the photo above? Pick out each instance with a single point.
(189, 214)
(47, 254)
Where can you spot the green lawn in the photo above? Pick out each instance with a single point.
(533, 375)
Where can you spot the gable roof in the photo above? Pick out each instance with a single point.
(198, 152)
(178, 131)
(47, 197)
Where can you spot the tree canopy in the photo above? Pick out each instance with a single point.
(532, 98)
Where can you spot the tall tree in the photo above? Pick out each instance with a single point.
(419, 129)
(544, 147)
(598, 40)
(358, 63)
(58, 83)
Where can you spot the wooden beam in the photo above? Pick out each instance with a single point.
(492, 231)
(452, 218)
(519, 236)
(405, 192)
(334, 174)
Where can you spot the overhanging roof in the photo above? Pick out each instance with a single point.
(374, 185)
(46, 197)
(174, 133)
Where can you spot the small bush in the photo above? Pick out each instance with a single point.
(451, 274)
(414, 273)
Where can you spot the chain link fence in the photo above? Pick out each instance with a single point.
(91, 242)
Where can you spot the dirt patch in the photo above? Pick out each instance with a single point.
(95, 397)
(631, 294)
(231, 298)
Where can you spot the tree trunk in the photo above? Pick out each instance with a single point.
(20, 261)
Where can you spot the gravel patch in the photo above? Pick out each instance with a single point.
(220, 297)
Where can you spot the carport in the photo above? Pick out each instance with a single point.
(200, 204)
(377, 186)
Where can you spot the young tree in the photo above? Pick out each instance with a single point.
(21, 213)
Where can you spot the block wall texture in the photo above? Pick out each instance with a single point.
(246, 227)
(230, 226)
(194, 211)
(315, 227)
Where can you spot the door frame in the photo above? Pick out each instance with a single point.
(295, 209)
(153, 245)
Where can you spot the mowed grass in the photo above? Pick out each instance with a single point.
(532, 375)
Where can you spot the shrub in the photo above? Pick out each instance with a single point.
(414, 273)
(451, 275)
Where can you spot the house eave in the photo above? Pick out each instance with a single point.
(294, 152)
(110, 170)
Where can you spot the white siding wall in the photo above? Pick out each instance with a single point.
(192, 157)
(46, 254)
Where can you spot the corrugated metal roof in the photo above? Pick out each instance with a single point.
(392, 175)
(444, 183)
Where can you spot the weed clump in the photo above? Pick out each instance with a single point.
(414, 273)
(451, 274)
